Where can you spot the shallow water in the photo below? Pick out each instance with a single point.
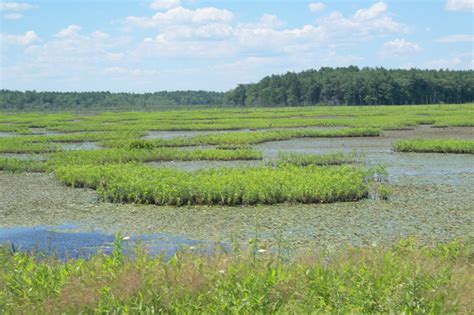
(25, 156)
(64, 242)
(425, 168)
(8, 134)
(432, 200)
(181, 133)
(45, 132)
(72, 146)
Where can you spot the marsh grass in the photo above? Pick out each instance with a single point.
(304, 159)
(19, 166)
(405, 278)
(435, 146)
(224, 186)
(111, 156)
(242, 138)
(20, 145)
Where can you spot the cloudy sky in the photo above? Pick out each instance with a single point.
(140, 46)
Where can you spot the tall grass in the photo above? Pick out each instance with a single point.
(19, 145)
(435, 146)
(405, 278)
(225, 186)
(304, 159)
(107, 156)
(17, 165)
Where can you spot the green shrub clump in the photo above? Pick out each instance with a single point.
(225, 186)
(435, 146)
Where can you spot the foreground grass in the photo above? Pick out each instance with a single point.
(402, 279)
(225, 186)
(435, 146)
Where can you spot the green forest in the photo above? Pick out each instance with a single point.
(354, 86)
(326, 86)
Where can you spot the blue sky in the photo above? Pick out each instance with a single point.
(145, 46)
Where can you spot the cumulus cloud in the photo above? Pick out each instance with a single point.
(212, 33)
(201, 38)
(271, 20)
(460, 5)
(15, 6)
(164, 4)
(70, 31)
(26, 39)
(316, 6)
(69, 56)
(180, 16)
(373, 11)
(458, 38)
(400, 47)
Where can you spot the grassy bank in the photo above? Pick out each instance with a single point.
(404, 278)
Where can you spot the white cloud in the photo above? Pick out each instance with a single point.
(445, 63)
(70, 56)
(209, 41)
(26, 39)
(373, 11)
(363, 25)
(270, 20)
(460, 5)
(15, 6)
(316, 6)
(400, 47)
(114, 71)
(13, 16)
(458, 38)
(183, 35)
(70, 31)
(180, 16)
(164, 4)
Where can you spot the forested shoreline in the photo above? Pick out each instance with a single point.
(354, 86)
(33, 100)
(326, 86)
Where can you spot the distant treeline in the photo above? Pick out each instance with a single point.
(32, 100)
(328, 86)
(354, 86)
